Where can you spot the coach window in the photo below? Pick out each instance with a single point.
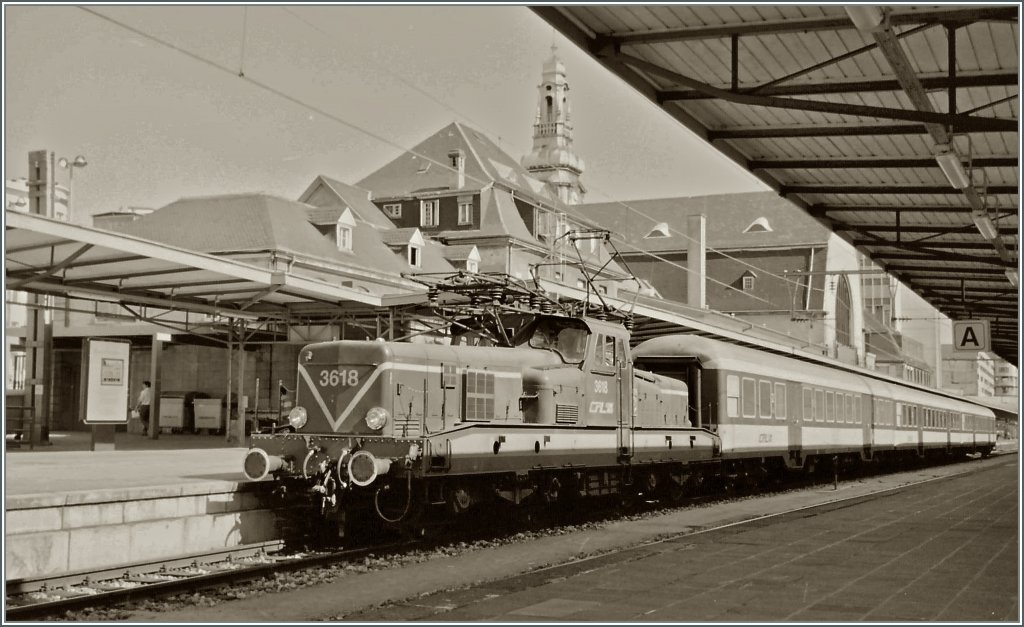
(819, 405)
(780, 400)
(899, 414)
(765, 388)
(808, 404)
(849, 408)
(749, 398)
(732, 395)
(830, 406)
(856, 410)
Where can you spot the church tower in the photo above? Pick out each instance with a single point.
(552, 159)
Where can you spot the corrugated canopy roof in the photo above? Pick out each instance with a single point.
(899, 131)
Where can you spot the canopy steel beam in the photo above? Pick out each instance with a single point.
(930, 244)
(961, 121)
(797, 25)
(790, 132)
(872, 162)
(50, 271)
(821, 210)
(937, 255)
(958, 270)
(888, 189)
(931, 83)
(917, 228)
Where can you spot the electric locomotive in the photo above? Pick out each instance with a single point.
(561, 408)
(402, 429)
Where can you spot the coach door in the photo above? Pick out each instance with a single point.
(792, 416)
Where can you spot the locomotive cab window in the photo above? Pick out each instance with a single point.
(604, 352)
(565, 336)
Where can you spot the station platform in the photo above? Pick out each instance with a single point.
(70, 509)
(943, 550)
(67, 464)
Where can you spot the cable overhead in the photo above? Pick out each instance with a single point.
(294, 100)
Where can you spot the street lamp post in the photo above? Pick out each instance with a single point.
(70, 166)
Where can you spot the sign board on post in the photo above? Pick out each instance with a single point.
(104, 388)
(971, 335)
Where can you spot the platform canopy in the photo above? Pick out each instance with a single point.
(895, 126)
(58, 258)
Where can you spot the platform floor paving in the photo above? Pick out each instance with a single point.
(941, 551)
(67, 465)
(944, 550)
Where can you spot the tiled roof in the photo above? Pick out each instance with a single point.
(342, 195)
(398, 237)
(728, 216)
(233, 223)
(459, 252)
(425, 167)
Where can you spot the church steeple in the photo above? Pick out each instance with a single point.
(552, 159)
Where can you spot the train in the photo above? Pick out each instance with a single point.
(403, 432)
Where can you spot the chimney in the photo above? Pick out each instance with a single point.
(457, 161)
(696, 262)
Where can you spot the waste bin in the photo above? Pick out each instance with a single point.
(208, 413)
(190, 413)
(172, 410)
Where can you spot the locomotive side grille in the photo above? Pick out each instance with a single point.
(407, 425)
(567, 413)
(479, 389)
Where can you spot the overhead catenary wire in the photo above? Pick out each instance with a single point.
(271, 89)
(319, 110)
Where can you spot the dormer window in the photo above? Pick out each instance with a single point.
(415, 256)
(759, 225)
(465, 212)
(660, 230)
(393, 210)
(748, 281)
(430, 212)
(343, 229)
(472, 266)
(343, 235)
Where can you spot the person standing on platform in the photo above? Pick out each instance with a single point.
(145, 398)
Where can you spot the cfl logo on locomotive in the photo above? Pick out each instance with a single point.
(336, 377)
(599, 407)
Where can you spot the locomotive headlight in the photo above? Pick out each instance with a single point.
(297, 417)
(377, 417)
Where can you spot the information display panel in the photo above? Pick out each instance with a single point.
(105, 381)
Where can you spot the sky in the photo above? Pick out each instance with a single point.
(345, 89)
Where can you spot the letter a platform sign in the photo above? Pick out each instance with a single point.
(971, 335)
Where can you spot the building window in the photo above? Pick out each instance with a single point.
(415, 256)
(844, 312)
(343, 236)
(465, 213)
(393, 210)
(430, 212)
(748, 283)
(472, 265)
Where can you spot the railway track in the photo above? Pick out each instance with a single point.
(51, 597)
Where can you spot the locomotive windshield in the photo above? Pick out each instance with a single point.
(565, 336)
